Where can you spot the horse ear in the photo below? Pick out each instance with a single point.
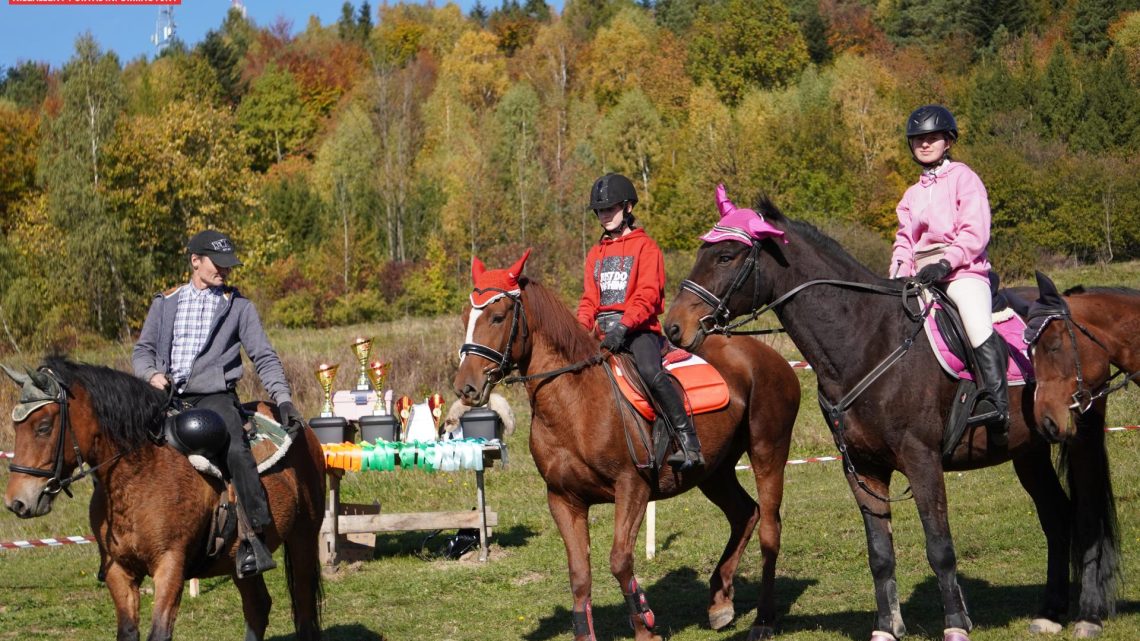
(477, 268)
(17, 377)
(1047, 294)
(723, 204)
(44, 383)
(516, 270)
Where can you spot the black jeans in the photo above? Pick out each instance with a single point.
(239, 459)
(646, 350)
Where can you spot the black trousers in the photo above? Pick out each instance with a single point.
(646, 350)
(239, 459)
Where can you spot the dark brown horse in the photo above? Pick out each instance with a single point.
(580, 437)
(1077, 340)
(847, 322)
(151, 511)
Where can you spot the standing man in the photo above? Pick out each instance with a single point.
(192, 339)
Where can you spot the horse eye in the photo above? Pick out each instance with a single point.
(724, 258)
(43, 428)
(497, 319)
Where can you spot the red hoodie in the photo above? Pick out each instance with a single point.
(625, 275)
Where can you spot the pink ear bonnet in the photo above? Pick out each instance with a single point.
(740, 225)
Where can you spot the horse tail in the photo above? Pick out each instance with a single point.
(1095, 553)
(304, 598)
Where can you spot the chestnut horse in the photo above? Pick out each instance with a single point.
(581, 439)
(151, 511)
(887, 405)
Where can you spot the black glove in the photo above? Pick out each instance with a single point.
(615, 338)
(290, 417)
(933, 273)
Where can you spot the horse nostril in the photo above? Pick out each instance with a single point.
(17, 506)
(673, 331)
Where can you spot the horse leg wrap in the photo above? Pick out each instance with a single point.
(954, 634)
(639, 605)
(582, 623)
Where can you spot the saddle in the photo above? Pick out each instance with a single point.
(705, 389)
(953, 352)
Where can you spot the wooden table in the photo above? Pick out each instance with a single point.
(342, 519)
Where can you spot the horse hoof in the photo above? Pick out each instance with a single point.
(954, 634)
(721, 617)
(1086, 630)
(1044, 626)
(879, 635)
(761, 633)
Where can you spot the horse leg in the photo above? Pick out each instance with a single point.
(930, 499)
(571, 518)
(1096, 549)
(255, 605)
(630, 499)
(742, 513)
(1039, 479)
(303, 576)
(168, 580)
(880, 552)
(124, 588)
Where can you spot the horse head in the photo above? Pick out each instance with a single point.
(41, 461)
(726, 280)
(496, 337)
(1068, 362)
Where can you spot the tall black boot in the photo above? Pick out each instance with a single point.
(671, 400)
(993, 404)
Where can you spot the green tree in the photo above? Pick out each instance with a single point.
(1110, 119)
(739, 44)
(1059, 101)
(223, 59)
(19, 143)
(274, 118)
(430, 291)
(516, 153)
(628, 142)
(26, 84)
(1088, 30)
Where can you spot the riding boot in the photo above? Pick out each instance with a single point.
(993, 403)
(672, 402)
(253, 557)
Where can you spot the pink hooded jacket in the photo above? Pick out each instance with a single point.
(949, 206)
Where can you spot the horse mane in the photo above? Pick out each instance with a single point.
(813, 235)
(1081, 289)
(126, 407)
(557, 323)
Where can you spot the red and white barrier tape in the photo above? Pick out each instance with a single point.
(7, 455)
(799, 365)
(46, 543)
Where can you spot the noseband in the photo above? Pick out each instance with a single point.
(501, 362)
(58, 481)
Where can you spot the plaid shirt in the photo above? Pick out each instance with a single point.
(191, 329)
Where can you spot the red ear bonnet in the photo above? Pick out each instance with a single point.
(494, 283)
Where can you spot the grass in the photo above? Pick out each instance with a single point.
(823, 584)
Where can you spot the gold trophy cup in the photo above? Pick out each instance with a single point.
(377, 372)
(362, 347)
(326, 374)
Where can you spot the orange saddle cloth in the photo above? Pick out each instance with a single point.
(705, 389)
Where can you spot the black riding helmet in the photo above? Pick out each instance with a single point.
(930, 119)
(610, 190)
(198, 431)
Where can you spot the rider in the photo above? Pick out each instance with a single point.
(624, 291)
(944, 228)
(192, 339)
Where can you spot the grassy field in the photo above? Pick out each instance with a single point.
(406, 592)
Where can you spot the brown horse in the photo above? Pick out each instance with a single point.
(151, 511)
(1076, 341)
(581, 439)
(887, 404)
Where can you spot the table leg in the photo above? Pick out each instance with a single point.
(482, 502)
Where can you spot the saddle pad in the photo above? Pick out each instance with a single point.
(269, 445)
(705, 389)
(1008, 325)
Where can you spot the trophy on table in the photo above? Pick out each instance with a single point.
(362, 347)
(380, 425)
(377, 372)
(328, 427)
(326, 374)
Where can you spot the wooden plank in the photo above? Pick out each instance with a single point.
(347, 524)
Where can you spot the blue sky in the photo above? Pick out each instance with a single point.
(47, 32)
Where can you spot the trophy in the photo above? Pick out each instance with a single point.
(377, 372)
(362, 347)
(326, 374)
(435, 404)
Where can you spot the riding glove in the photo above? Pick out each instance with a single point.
(933, 273)
(290, 417)
(615, 338)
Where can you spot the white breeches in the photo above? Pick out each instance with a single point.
(975, 304)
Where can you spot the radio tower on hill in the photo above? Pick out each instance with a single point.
(163, 30)
(237, 4)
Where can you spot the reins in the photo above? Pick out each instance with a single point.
(717, 322)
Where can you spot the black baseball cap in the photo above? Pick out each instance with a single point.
(216, 245)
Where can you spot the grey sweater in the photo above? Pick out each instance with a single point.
(217, 367)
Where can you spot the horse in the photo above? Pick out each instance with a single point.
(151, 512)
(1097, 328)
(886, 405)
(583, 445)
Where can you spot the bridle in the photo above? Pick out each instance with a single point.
(1084, 396)
(717, 321)
(58, 480)
(501, 362)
